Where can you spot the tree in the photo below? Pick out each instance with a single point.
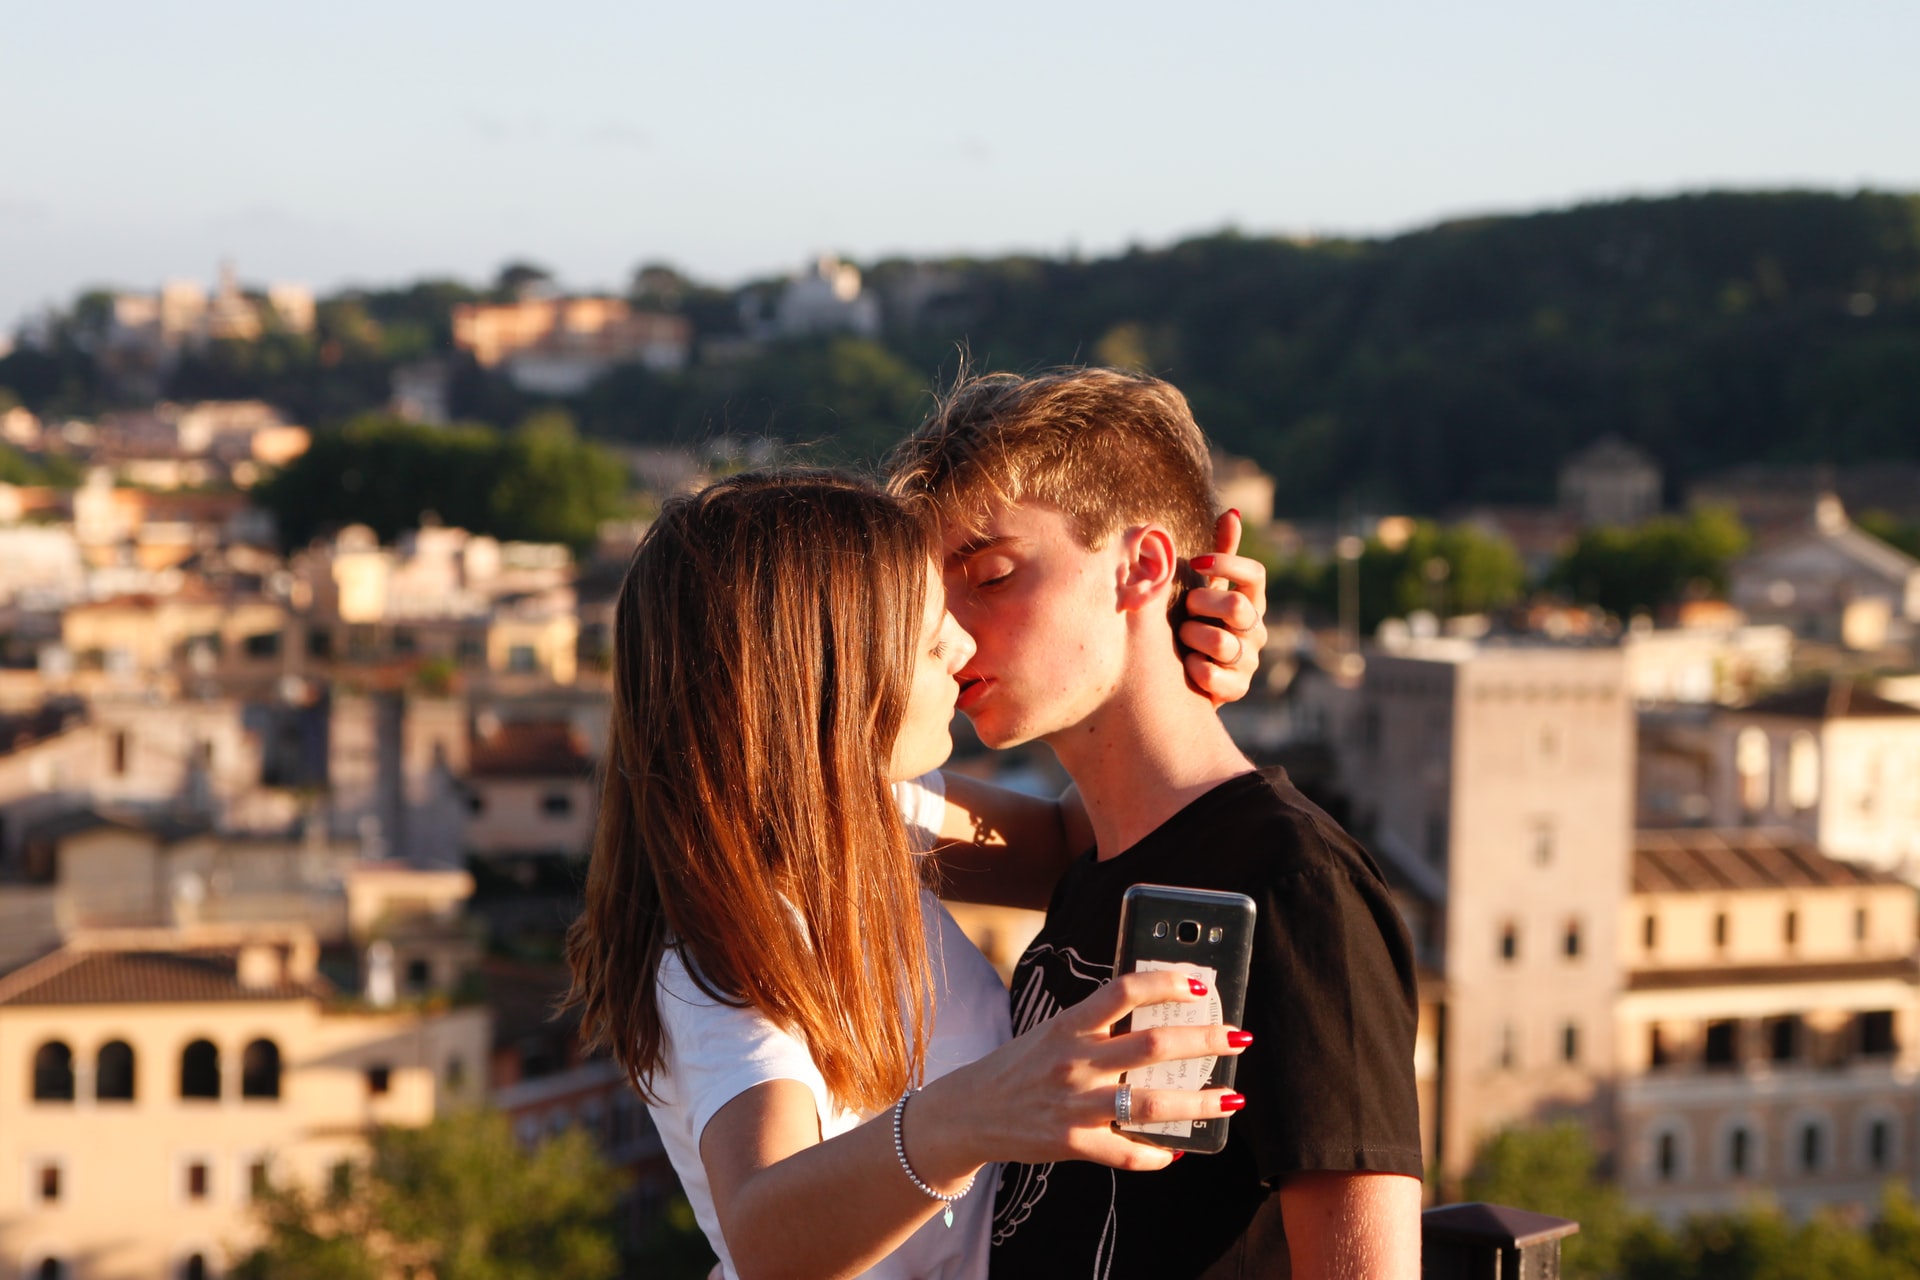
(458, 1200)
(1661, 562)
(1555, 1169)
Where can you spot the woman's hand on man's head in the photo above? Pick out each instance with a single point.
(1226, 619)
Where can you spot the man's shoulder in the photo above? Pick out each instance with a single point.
(1271, 834)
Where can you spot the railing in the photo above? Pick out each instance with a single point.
(1475, 1241)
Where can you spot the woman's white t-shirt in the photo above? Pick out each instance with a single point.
(714, 1054)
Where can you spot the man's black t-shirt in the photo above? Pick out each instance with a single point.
(1328, 1078)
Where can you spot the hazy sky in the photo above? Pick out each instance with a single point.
(369, 142)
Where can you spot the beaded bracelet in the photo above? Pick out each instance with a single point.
(900, 1149)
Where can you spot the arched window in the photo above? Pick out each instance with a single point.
(1667, 1156)
(1813, 1146)
(1803, 772)
(200, 1070)
(50, 1269)
(260, 1070)
(53, 1072)
(194, 1268)
(1740, 1151)
(113, 1072)
(1753, 761)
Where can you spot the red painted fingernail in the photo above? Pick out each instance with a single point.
(1196, 986)
(1233, 1102)
(1234, 512)
(1178, 1154)
(1202, 562)
(1239, 1039)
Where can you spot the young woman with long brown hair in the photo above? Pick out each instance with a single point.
(758, 949)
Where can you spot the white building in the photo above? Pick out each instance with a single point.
(1831, 582)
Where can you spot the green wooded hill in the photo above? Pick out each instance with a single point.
(1461, 363)
(1465, 362)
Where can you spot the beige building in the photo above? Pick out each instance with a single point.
(1835, 761)
(1829, 581)
(150, 1082)
(1768, 1039)
(558, 346)
(1497, 784)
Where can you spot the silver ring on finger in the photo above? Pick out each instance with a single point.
(1239, 649)
(1123, 1104)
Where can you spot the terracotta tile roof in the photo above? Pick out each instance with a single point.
(530, 749)
(74, 976)
(1835, 699)
(1716, 860)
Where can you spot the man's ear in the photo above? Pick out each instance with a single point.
(1149, 570)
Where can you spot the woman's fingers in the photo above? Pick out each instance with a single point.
(1128, 992)
(1137, 1049)
(1161, 1106)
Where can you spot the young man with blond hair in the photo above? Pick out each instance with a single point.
(1077, 508)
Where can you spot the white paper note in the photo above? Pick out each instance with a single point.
(1186, 1073)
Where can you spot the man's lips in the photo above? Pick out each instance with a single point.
(972, 689)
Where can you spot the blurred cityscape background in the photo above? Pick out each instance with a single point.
(1592, 527)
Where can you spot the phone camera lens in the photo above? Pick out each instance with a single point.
(1188, 932)
(1159, 928)
(1215, 934)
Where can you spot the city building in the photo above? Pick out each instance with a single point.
(152, 1081)
(1766, 1039)
(1829, 581)
(559, 346)
(1610, 483)
(826, 298)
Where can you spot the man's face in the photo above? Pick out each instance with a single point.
(1043, 611)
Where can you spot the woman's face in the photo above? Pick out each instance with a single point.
(942, 648)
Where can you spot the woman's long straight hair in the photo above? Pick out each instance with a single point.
(763, 650)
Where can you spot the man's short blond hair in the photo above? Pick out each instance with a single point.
(1111, 449)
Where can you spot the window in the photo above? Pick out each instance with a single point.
(198, 1180)
(1879, 1151)
(319, 642)
(1859, 924)
(264, 645)
(1720, 929)
(1812, 1147)
(419, 975)
(340, 1179)
(405, 641)
(1753, 761)
(194, 1268)
(1790, 928)
(1877, 1038)
(1509, 942)
(556, 804)
(1570, 1042)
(379, 1079)
(1720, 1047)
(200, 1070)
(260, 1070)
(119, 753)
(50, 1183)
(1650, 931)
(1659, 1052)
(522, 658)
(1667, 1156)
(1783, 1038)
(1739, 1151)
(113, 1072)
(53, 1072)
(1803, 772)
(1509, 1057)
(456, 1074)
(1571, 944)
(50, 1269)
(259, 1180)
